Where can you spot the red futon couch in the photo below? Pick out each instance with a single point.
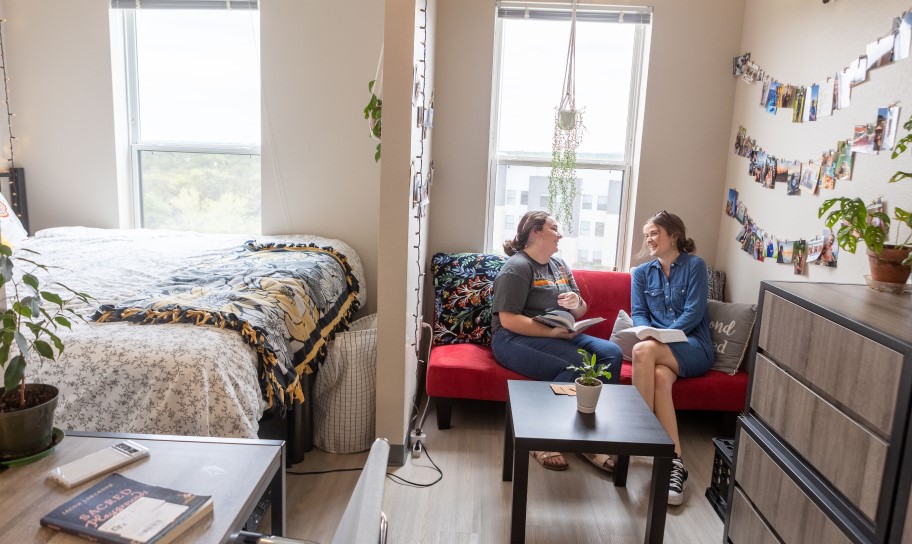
(461, 365)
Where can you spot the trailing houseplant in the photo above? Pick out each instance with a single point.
(568, 134)
(29, 330)
(588, 385)
(373, 114)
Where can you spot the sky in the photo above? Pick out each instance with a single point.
(199, 75)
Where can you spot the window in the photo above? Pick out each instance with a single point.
(587, 202)
(585, 228)
(511, 196)
(599, 229)
(524, 198)
(582, 256)
(597, 257)
(194, 98)
(510, 223)
(529, 67)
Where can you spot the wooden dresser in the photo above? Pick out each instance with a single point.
(823, 452)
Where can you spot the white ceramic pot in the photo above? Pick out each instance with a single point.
(587, 397)
(567, 119)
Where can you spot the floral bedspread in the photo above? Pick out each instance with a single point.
(178, 378)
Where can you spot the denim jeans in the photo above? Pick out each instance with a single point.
(546, 359)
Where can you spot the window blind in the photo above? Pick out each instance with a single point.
(561, 12)
(184, 4)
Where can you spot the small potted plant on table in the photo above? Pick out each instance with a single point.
(588, 385)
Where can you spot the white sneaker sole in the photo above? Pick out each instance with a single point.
(676, 499)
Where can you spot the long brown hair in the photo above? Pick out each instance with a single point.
(674, 226)
(531, 221)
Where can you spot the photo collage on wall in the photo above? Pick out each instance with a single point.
(807, 103)
(804, 104)
(819, 249)
(823, 172)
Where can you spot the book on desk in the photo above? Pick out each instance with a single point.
(119, 510)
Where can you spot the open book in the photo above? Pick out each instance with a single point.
(666, 336)
(563, 318)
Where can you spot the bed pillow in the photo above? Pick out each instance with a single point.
(626, 342)
(11, 229)
(463, 296)
(730, 325)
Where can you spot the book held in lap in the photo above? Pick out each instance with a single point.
(643, 332)
(119, 510)
(563, 318)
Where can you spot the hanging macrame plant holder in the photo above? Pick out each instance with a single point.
(373, 110)
(568, 132)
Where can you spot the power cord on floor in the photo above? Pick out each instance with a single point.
(393, 477)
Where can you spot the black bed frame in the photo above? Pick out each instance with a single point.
(295, 428)
(17, 194)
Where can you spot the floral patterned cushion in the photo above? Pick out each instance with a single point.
(463, 288)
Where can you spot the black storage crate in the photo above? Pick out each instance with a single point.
(717, 492)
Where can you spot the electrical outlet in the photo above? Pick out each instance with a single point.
(416, 438)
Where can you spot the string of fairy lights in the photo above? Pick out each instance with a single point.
(5, 101)
(419, 189)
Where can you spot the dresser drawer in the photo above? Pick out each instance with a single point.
(841, 450)
(789, 512)
(852, 369)
(746, 526)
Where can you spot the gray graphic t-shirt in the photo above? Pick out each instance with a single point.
(527, 287)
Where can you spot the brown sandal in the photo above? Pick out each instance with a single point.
(601, 460)
(544, 456)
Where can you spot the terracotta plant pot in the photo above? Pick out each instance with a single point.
(30, 431)
(886, 266)
(587, 397)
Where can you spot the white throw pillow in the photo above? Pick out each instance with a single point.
(11, 229)
(626, 343)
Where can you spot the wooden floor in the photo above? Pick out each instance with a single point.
(472, 503)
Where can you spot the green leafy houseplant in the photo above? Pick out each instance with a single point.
(901, 146)
(589, 370)
(372, 112)
(29, 325)
(862, 222)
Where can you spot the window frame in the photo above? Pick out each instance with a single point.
(625, 167)
(136, 145)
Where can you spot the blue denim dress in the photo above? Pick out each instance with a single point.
(676, 302)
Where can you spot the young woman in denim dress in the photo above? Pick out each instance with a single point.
(670, 292)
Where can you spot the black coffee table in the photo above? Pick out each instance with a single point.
(539, 420)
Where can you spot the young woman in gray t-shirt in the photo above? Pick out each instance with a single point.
(531, 282)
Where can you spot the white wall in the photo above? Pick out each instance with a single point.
(59, 64)
(687, 113)
(803, 43)
(319, 174)
(402, 250)
(316, 60)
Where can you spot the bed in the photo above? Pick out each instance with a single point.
(183, 377)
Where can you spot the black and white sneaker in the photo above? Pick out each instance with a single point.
(677, 482)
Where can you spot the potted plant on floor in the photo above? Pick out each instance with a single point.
(29, 326)
(588, 385)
